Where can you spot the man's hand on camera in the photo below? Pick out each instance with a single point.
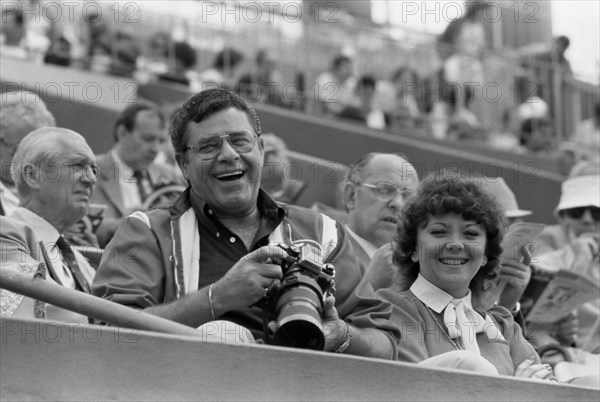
(336, 330)
(245, 283)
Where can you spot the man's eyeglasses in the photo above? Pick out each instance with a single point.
(242, 141)
(387, 192)
(577, 213)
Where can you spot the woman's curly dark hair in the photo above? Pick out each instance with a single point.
(450, 193)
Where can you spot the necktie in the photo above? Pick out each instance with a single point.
(71, 261)
(139, 178)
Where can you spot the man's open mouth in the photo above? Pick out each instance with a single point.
(230, 176)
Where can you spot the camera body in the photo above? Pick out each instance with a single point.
(298, 300)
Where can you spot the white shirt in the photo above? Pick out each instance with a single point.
(437, 300)
(9, 198)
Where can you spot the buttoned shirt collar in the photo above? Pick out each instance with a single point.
(367, 246)
(271, 212)
(434, 297)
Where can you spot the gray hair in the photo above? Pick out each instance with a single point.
(40, 148)
(22, 112)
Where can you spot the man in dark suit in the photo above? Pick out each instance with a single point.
(129, 173)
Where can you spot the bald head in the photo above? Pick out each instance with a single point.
(375, 192)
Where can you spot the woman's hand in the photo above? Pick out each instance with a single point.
(536, 371)
(516, 275)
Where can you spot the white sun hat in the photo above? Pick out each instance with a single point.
(581, 191)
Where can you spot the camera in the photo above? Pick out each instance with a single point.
(298, 300)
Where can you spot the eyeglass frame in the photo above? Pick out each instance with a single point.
(577, 212)
(194, 148)
(397, 189)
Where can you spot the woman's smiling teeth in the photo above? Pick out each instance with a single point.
(453, 261)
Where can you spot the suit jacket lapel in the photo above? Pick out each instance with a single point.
(110, 186)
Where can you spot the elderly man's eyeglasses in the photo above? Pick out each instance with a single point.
(387, 192)
(242, 141)
(577, 213)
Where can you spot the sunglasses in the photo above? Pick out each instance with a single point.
(577, 213)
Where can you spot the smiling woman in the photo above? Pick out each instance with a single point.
(449, 242)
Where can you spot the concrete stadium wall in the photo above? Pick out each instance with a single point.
(42, 360)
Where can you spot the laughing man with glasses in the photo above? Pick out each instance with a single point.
(210, 256)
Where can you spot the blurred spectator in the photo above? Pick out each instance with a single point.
(574, 244)
(154, 60)
(405, 112)
(183, 61)
(334, 89)
(97, 40)
(537, 136)
(124, 54)
(451, 114)
(528, 105)
(13, 27)
(128, 174)
(363, 106)
(276, 164)
(223, 71)
(584, 144)
(16, 38)
(20, 113)
(475, 13)
(552, 58)
(264, 83)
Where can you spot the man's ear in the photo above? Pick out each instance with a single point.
(349, 195)
(182, 163)
(121, 131)
(31, 176)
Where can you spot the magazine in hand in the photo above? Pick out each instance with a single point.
(520, 235)
(551, 295)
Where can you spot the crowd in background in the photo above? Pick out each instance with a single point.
(445, 104)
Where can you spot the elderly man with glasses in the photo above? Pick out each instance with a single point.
(213, 255)
(375, 191)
